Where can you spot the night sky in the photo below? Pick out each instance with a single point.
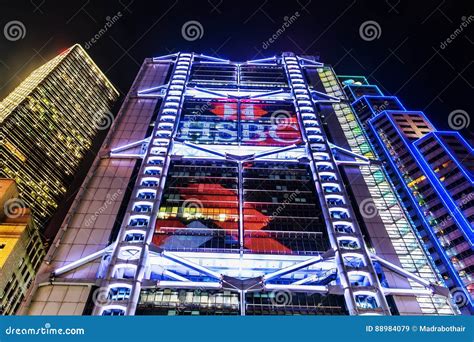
(420, 51)
(406, 57)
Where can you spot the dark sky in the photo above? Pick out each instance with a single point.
(406, 59)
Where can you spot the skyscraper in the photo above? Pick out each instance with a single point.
(21, 249)
(48, 124)
(229, 188)
(433, 173)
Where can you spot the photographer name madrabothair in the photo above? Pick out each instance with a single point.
(442, 328)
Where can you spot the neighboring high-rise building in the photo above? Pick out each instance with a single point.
(433, 173)
(48, 124)
(230, 188)
(21, 249)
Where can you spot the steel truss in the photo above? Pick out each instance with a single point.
(241, 272)
(259, 273)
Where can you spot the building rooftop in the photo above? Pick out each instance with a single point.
(20, 93)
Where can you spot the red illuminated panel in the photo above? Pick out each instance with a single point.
(225, 110)
(280, 205)
(218, 204)
(202, 206)
(283, 134)
(258, 240)
(252, 111)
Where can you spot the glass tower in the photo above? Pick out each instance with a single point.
(48, 124)
(433, 173)
(239, 188)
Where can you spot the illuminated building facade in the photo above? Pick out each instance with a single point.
(48, 124)
(433, 172)
(238, 189)
(21, 249)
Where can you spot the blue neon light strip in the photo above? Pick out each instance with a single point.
(354, 78)
(351, 86)
(366, 99)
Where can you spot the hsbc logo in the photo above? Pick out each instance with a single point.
(258, 133)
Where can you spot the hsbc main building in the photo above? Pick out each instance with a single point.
(241, 188)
